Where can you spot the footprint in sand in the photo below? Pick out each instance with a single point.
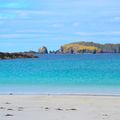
(2, 108)
(20, 108)
(73, 109)
(9, 115)
(7, 103)
(46, 108)
(105, 116)
(60, 109)
(10, 109)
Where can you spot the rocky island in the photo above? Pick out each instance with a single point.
(16, 55)
(43, 50)
(87, 47)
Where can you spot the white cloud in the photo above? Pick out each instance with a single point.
(76, 24)
(1, 22)
(117, 19)
(7, 15)
(57, 25)
(16, 35)
(33, 12)
(2, 16)
(13, 4)
(22, 14)
(9, 35)
(34, 31)
(25, 35)
(98, 33)
(30, 31)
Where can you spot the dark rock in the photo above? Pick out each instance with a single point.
(16, 55)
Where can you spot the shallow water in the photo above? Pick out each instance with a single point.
(85, 73)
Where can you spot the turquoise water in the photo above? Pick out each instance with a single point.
(82, 74)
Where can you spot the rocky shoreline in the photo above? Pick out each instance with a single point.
(16, 55)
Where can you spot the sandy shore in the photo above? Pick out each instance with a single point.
(59, 107)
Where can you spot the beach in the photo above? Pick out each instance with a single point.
(59, 107)
(59, 59)
(61, 87)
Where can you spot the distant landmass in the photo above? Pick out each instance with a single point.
(71, 48)
(88, 47)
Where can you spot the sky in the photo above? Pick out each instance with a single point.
(29, 24)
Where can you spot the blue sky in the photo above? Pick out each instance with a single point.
(29, 24)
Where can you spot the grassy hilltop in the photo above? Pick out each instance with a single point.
(90, 47)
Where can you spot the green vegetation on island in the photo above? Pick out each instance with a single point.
(77, 48)
(90, 47)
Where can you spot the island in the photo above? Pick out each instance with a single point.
(87, 47)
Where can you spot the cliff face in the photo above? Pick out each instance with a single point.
(43, 50)
(90, 47)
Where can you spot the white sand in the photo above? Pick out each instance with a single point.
(61, 107)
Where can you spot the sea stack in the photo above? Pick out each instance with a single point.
(43, 50)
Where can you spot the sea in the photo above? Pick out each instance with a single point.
(91, 74)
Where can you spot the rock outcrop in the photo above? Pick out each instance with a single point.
(16, 55)
(43, 50)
